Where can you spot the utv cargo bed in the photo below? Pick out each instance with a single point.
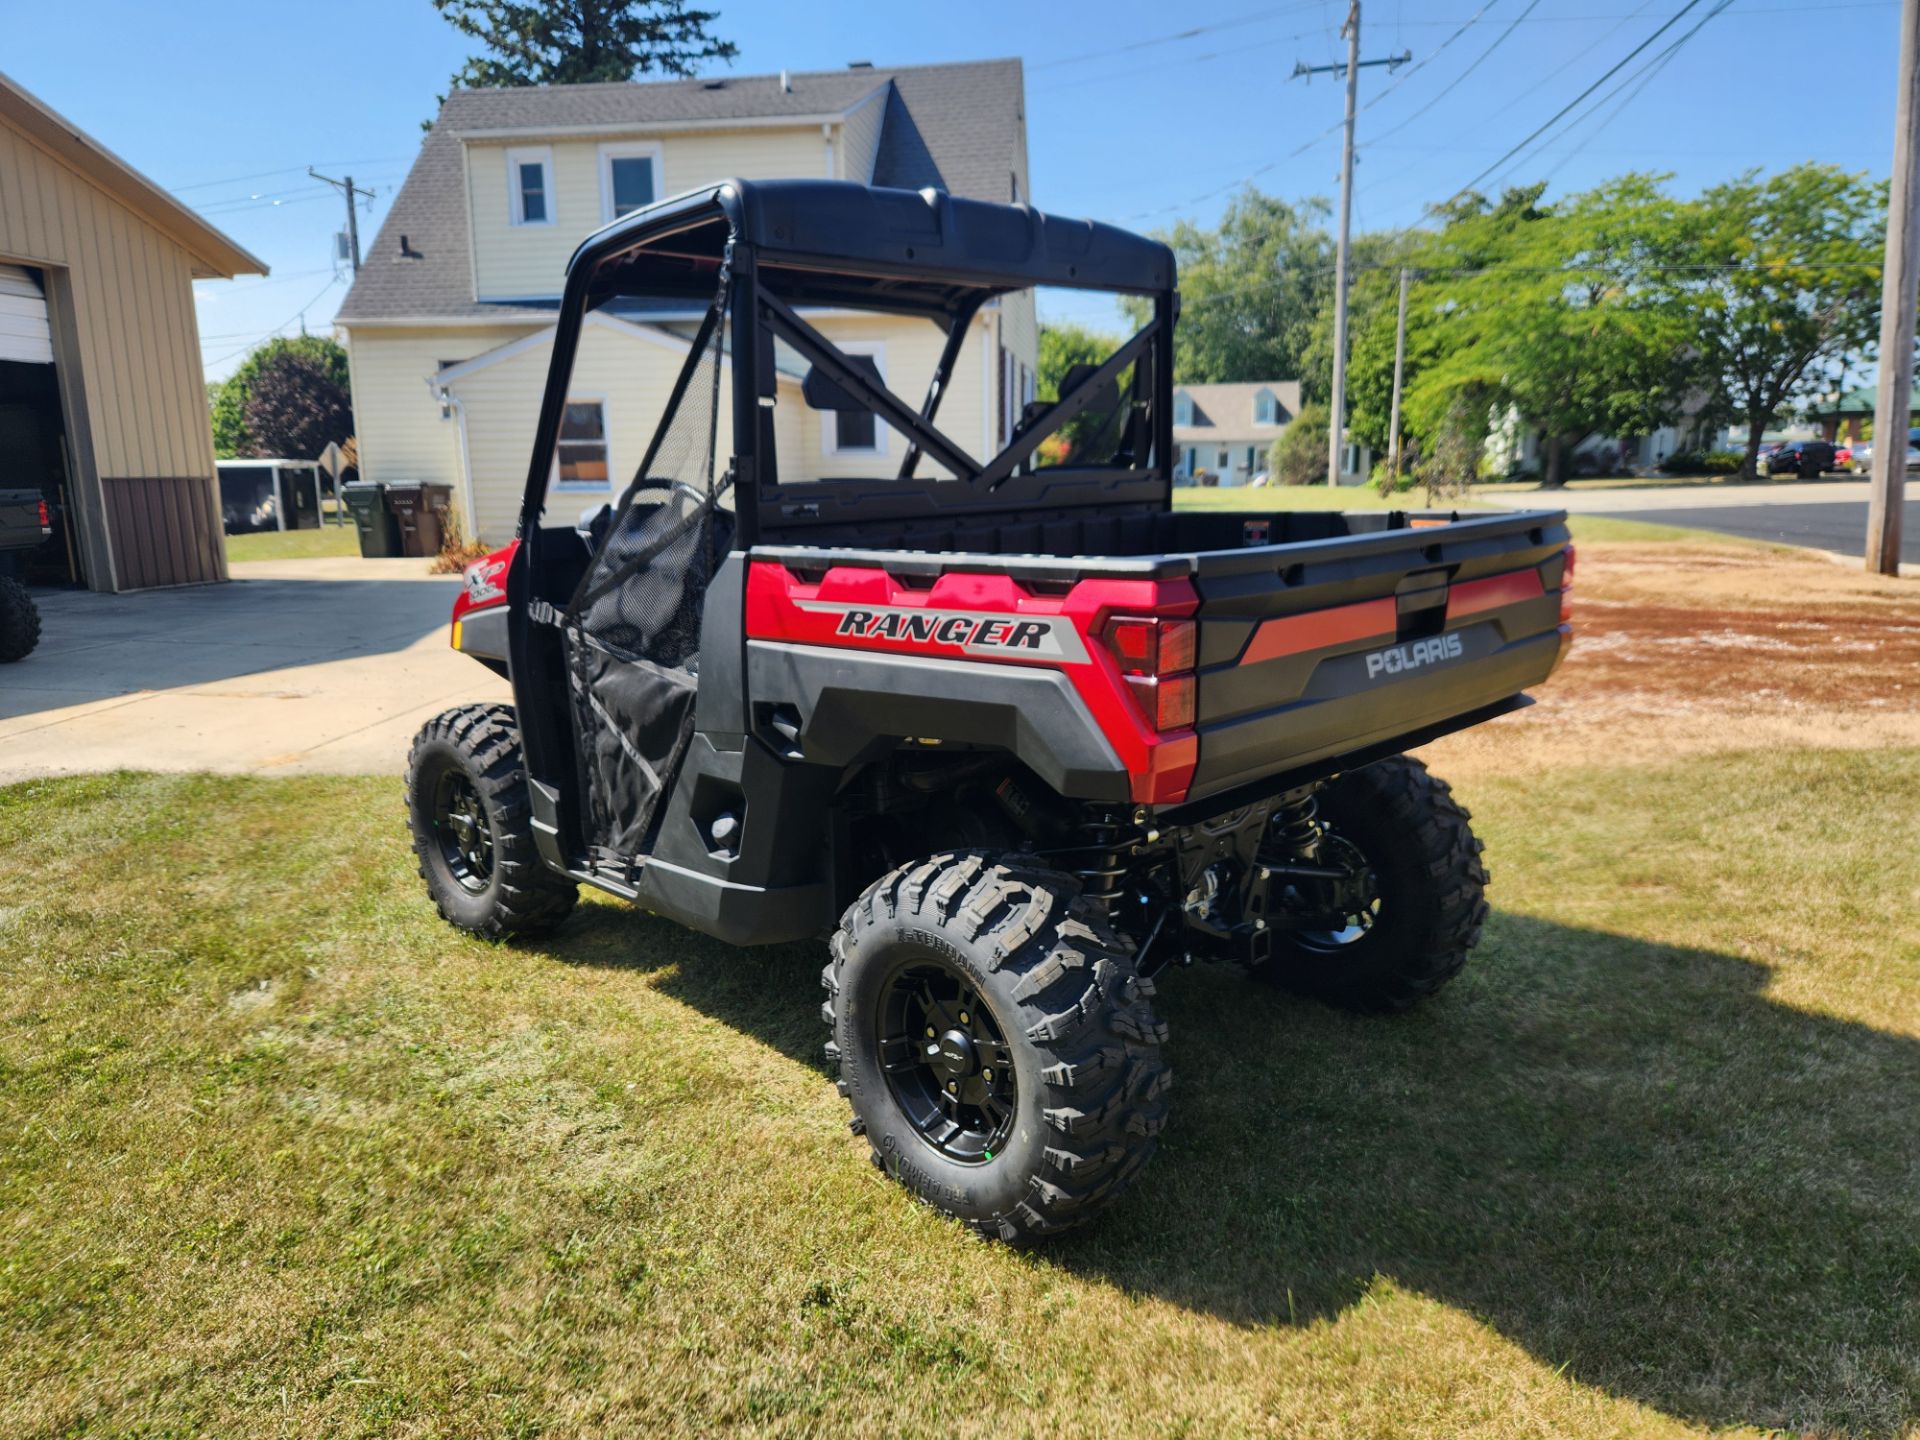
(1320, 634)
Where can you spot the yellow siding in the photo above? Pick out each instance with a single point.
(518, 262)
(634, 376)
(403, 439)
(133, 307)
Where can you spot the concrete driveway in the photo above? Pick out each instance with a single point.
(297, 666)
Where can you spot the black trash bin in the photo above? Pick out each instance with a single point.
(421, 511)
(379, 531)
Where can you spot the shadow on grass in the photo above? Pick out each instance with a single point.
(1621, 1156)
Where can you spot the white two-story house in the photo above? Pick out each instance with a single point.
(449, 322)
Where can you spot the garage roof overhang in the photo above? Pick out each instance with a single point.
(214, 256)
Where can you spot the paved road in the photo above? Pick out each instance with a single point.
(1823, 514)
(298, 665)
(1839, 525)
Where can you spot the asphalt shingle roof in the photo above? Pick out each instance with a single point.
(959, 128)
(1224, 411)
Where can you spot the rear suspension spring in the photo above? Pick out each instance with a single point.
(1294, 831)
(1103, 879)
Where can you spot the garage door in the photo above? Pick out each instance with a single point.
(23, 318)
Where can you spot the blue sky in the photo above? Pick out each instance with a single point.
(230, 100)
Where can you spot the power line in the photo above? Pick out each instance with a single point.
(1644, 76)
(1573, 104)
(1500, 40)
(288, 170)
(268, 334)
(1175, 37)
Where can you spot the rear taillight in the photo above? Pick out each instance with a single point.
(1566, 586)
(46, 520)
(1156, 657)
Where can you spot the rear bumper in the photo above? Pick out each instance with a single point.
(1338, 713)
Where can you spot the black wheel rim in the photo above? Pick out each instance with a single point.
(464, 834)
(1358, 900)
(946, 1061)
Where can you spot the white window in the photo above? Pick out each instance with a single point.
(1183, 409)
(530, 186)
(581, 460)
(629, 179)
(1264, 408)
(856, 432)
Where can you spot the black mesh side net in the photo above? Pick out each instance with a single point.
(632, 630)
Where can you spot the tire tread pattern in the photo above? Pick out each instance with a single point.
(1072, 983)
(19, 621)
(530, 898)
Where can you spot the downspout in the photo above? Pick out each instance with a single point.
(452, 403)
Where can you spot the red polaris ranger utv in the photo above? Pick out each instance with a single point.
(1008, 730)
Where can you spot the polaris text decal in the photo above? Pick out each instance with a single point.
(1413, 655)
(1026, 637)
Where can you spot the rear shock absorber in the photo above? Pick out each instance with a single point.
(1104, 874)
(1294, 832)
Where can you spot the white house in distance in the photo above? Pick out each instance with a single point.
(450, 321)
(1225, 430)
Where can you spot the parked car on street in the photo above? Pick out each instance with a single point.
(1809, 459)
(1860, 458)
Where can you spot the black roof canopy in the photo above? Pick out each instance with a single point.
(836, 242)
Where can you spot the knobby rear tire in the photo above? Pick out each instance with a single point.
(1419, 842)
(1091, 1082)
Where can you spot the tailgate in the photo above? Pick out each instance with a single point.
(20, 526)
(1313, 650)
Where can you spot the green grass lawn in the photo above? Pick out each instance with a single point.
(281, 1154)
(327, 540)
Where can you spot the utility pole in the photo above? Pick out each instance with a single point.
(1336, 430)
(1399, 373)
(345, 187)
(1892, 406)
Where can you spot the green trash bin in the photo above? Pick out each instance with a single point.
(421, 511)
(379, 531)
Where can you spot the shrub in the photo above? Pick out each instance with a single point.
(1299, 456)
(1702, 462)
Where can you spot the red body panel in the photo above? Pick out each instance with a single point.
(486, 581)
(996, 620)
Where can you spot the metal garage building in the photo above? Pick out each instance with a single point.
(102, 404)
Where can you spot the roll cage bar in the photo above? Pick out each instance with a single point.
(839, 244)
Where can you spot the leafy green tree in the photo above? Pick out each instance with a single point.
(1251, 290)
(575, 42)
(1064, 346)
(1299, 455)
(232, 436)
(296, 408)
(1779, 279)
(1561, 316)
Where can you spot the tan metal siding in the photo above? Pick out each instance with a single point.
(131, 292)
